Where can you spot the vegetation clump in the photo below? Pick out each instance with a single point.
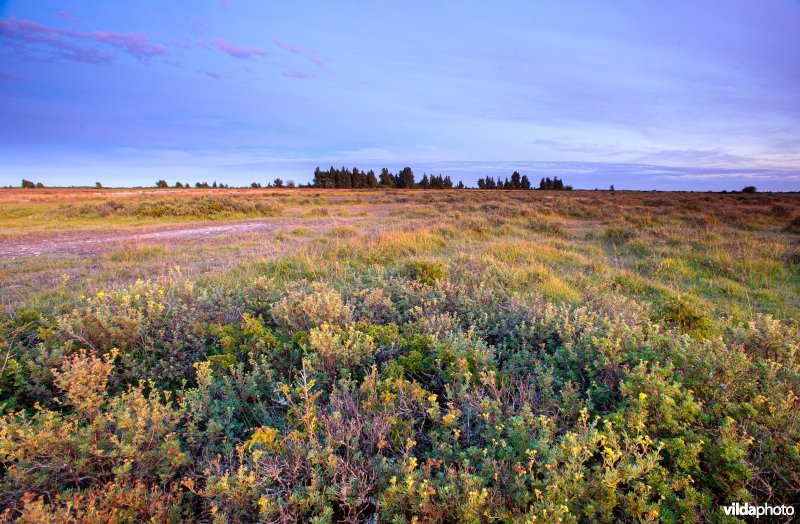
(425, 271)
(196, 207)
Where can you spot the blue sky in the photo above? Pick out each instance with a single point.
(701, 94)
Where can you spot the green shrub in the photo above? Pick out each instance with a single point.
(310, 304)
(426, 272)
(767, 338)
(341, 350)
(794, 225)
(618, 235)
(103, 443)
(687, 314)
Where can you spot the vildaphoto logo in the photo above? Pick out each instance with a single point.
(762, 510)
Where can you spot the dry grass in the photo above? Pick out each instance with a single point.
(736, 252)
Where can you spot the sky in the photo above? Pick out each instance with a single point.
(686, 94)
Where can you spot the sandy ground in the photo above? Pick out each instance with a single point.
(87, 244)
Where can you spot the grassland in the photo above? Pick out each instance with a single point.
(442, 355)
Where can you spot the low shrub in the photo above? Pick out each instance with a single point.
(686, 314)
(307, 305)
(618, 235)
(426, 272)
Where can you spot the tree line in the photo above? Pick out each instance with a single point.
(518, 181)
(355, 178)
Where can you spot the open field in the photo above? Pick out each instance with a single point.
(450, 355)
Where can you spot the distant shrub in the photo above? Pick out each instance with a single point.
(686, 314)
(547, 227)
(749, 189)
(208, 206)
(794, 225)
(792, 258)
(781, 211)
(618, 235)
(204, 206)
(344, 232)
(426, 272)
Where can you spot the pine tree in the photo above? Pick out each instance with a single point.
(406, 177)
(372, 181)
(387, 179)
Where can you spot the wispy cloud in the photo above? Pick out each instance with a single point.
(311, 53)
(135, 44)
(8, 77)
(67, 16)
(297, 74)
(244, 53)
(715, 157)
(293, 48)
(225, 3)
(79, 46)
(209, 74)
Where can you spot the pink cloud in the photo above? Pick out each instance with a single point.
(66, 16)
(312, 54)
(245, 53)
(135, 44)
(58, 43)
(226, 3)
(70, 44)
(284, 45)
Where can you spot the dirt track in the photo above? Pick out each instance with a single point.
(85, 244)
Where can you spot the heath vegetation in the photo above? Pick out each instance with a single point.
(402, 356)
